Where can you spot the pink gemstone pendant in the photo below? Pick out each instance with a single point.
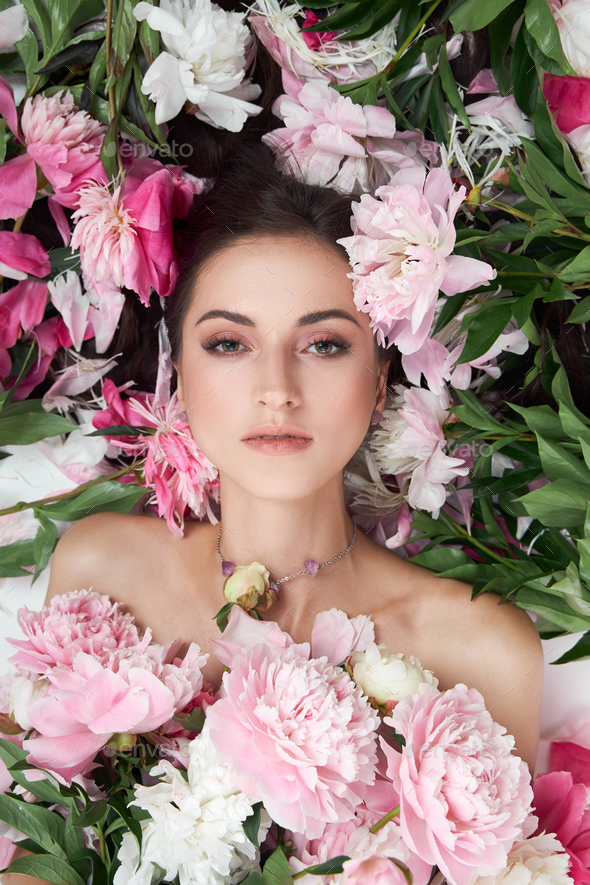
(312, 567)
(227, 568)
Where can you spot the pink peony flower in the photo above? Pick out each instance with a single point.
(21, 307)
(298, 735)
(180, 474)
(22, 254)
(333, 636)
(354, 839)
(410, 442)
(79, 621)
(135, 692)
(464, 797)
(332, 141)
(125, 234)
(377, 869)
(61, 140)
(561, 806)
(401, 255)
(568, 99)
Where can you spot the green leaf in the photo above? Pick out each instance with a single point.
(45, 541)
(103, 496)
(451, 308)
(252, 824)
(29, 52)
(121, 430)
(524, 76)
(253, 879)
(522, 309)
(542, 27)
(92, 814)
(558, 463)
(378, 20)
(553, 608)
(222, 615)
(485, 327)
(442, 558)
(276, 869)
(541, 418)
(500, 31)
(472, 412)
(98, 69)
(579, 652)
(45, 827)
(562, 393)
(330, 867)
(561, 504)
(474, 14)
(14, 557)
(437, 113)
(66, 16)
(193, 721)
(580, 312)
(124, 30)
(110, 147)
(449, 85)
(554, 177)
(37, 11)
(48, 868)
(572, 425)
(576, 594)
(548, 64)
(31, 427)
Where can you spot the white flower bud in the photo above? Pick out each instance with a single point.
(386, 677)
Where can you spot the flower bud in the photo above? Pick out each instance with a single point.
(386, 677)
(122, 743)
(25, 690)
(249, 588)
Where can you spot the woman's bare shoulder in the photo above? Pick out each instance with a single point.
(103, 551)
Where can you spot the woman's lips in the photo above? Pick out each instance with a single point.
(279, 445)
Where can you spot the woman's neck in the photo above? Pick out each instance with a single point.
(282, 535)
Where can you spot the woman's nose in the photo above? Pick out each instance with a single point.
(276, 384)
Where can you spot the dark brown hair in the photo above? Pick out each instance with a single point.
(251, 198)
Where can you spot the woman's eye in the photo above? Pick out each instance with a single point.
(227, 345)
(327, 347)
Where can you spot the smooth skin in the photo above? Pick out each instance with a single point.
(275, 367)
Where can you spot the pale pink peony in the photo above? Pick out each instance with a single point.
(401, 255)
(410, 445)
(377, 869)
(64, 142)
(464, 796)
(298, 735)
(354, 839)
(333, 635)
(79, 621)
(180, 474)
(330, 140)
(125, 233)
(135, 692)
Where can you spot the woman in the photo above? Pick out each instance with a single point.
(266, 341)
(280, 377)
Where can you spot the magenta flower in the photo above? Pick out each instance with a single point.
(333, 141)
(298, 735)
(22, 254)
(463, 795)
(125, 234)
(561, 805)
(21, 308)
(401, 255)
(79, 621)
(180, 474)
(61, 140)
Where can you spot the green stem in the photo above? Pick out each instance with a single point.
(26, 505)
(409, 39)
(109, 70)
(459, 528)
(101, 844)
(385, 820)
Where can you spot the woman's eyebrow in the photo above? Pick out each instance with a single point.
(308, 319)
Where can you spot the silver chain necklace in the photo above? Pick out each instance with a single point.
(311, 566)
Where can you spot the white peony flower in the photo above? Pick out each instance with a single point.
(196, 827)
(574, 29)
(386, 677)
(24, 691)
(579, 139)
(14, 23)
(541, 860)
(410, 444)
(204, 64)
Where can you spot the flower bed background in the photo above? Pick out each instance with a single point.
(474, 115)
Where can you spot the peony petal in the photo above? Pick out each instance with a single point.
(18, 186)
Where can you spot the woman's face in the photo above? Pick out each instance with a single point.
(272, 337)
